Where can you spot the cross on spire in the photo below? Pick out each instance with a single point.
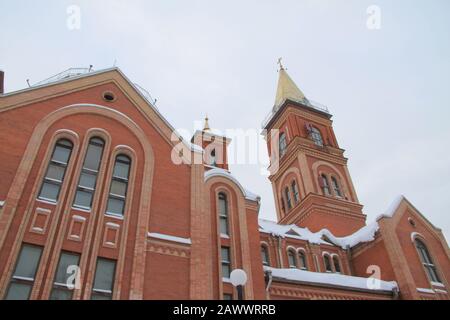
(280, 64)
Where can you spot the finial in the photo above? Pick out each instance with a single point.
(280, 64)
(206, 127)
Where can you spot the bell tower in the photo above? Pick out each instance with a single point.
(310, 179)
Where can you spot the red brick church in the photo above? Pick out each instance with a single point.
(92, 206)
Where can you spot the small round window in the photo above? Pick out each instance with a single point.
(109, 96)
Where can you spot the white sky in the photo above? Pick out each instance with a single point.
(387, 89)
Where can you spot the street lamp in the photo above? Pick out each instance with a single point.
(238, 279)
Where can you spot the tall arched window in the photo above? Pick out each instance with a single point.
(302, 260)
(327, 262)
(265, 255)
(292, 260)
(295, 191)
(223, 214)
(288, 198)
(89, 173)
(283, 208)
(316, 136)
(282, 144)
(336, 187)
(119, 186)
(213, 160)
(427, 262)
(56, 171)
(324, 185)
(337, 265)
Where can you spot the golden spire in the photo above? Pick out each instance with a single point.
(287, 89)
(206, 127)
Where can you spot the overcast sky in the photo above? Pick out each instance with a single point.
(388, 89)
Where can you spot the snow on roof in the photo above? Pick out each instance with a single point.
(392, 208)
(290, 231)
(334, 279)
(365, 234)
(169, 238)
(224, 173)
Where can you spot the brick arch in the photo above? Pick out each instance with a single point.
(296, 172)
(230, 185)
(16, 190)
(345, 188)
(58, 236)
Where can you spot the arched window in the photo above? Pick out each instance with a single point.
(56, 171)
(337, 265)
(213, 160)
(324, 185)
(336, 187)
(89, 173)
(316, 136)
(295, 191)
(288, 198)
(265, 255)
(223, 214)
(327, 262)
(282, 144)
(292, 260)
(427, 262)
(119, 186)
(302, 260)
(283, 208)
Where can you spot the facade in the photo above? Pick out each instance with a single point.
(100, 199)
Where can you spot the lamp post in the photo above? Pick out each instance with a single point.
(238, 279)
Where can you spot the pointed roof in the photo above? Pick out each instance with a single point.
(287, 89)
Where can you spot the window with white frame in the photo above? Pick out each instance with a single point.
(119, 186)
(324, 185)
(295, 191)
(327, 263)
(336, 263)
(282, 144)
(427, 261)
(302, 260)
(104, 279)
(288, 198)
(56, 171)
(66, 276)
(22, 280)
(226, 262)
(223, 214)
(265, 255)
(316, 136)
(292, 260)
(336, 187)
(89, 174)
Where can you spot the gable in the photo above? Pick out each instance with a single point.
(113, 76)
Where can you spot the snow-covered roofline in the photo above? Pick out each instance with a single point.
(333, 279)
(324, 236)
(167, 237)
(218, 172)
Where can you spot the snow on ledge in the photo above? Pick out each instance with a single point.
(169, 238)
(334, 279)
(226, 174)
(365, 234)
(392, 208)
(425, 290)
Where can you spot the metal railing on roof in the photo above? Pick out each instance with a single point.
(146, 95)
(306, 102)
(69, 73)
(74, 72)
